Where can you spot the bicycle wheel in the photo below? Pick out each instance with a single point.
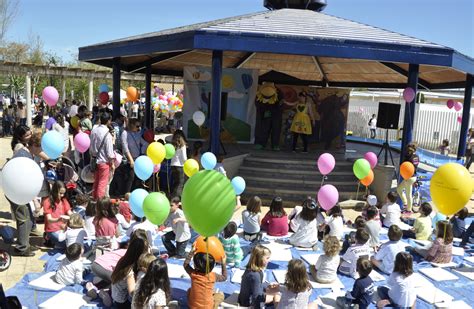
(5, 260)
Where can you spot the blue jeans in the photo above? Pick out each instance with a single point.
(179, 249)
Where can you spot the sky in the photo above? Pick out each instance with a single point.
(64, 26)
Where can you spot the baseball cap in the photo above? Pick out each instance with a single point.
(372, 200)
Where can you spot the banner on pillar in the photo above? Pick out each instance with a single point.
(239, 88)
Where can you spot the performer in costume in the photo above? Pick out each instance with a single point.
(303, 120)
(268, 120)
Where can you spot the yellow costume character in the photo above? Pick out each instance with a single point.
(302, 121)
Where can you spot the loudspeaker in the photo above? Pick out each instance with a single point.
(223, 104)
(388, 115)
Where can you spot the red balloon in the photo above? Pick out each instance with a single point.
(149, 136)
(104, 97)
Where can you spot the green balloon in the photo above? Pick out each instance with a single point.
(169, 148)
(208, 202)
(156, 207)
(361, 168)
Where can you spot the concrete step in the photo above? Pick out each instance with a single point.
(286, 183)
(308, 174)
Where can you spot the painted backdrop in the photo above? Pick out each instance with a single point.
(239, 86)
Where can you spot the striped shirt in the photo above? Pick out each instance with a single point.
(232, 249)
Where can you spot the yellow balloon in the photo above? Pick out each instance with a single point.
(449, 188)
(191, 167)
(156, 152)
(75, 122)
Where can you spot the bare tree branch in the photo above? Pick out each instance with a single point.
(8, 11)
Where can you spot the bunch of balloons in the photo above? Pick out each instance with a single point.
(457, 105)
(328, 196)
(104, 94)
(154, 206)
(168, 102)
(363, 168)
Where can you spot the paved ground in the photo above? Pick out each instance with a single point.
(22, 265)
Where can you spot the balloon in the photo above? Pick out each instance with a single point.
(326, 163)
(149, 136)
(132, 94)
(448, 188)
(156, 152)
(450, 103)
(156, 168)
(104, 97)
(169, 151)
(328, 196)
(82, 142)
(52, 144)
(136, 202)
(199, 118)
(49, 123)
(22, 179)
(367, 181)
(361, 168)
(208, 161)
(238, 183)
(156, 207)
(75, 122)
(118, 159)
(458, 106)
(143, 167)
(191, 167)
(214, 246)
(371, 158)
(407, 169)
(50, 95)
(408, 94)
(103, 88)
(208, 202)
(247, 80)
(459, 119)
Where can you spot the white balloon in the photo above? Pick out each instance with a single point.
(22, 179)
(199, 118)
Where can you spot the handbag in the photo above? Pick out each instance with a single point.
(93, 162)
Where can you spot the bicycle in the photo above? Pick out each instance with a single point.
(6, 232)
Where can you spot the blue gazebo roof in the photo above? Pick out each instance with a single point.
(314, 48)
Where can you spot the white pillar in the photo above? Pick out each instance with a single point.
(28, 99)
(91, 94)
(63, 90)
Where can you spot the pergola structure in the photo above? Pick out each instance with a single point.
(292, 46)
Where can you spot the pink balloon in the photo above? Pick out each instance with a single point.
(50, 95)
(408, 94)
(82, 142)
(450, 103)
(460, 119)
(328, 196)
(156, 168)
(118, 159)
(458, 106)
(326, 163)
(372, 158)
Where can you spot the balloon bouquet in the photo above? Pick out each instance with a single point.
(328, 195)
(363, 170)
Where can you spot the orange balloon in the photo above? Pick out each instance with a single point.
(215, 247)
(367, 181)
(407, 169)
(132, 94)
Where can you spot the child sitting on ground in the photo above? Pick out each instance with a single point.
(458, 222)
(201, 294)
(71, 268)
(82, 201)
(143, 262)
(123, 224)
(363, 289)
(75, 232)
(384, 259)
(349, 239)
(297, 289)
(391, 212)
(442, 249)
(180, 233)
(333, 225)
(251, 219)
(400, 292)
(154, 290)
(304, 224)
(422, 227)
(325, 270)
(231, 244)
(371, 201)
(372, 226)
(89, 219)
(359, 249)
(275, 222)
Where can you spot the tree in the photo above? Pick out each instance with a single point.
(8, 11)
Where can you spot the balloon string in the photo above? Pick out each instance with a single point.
(322, 181)
(358, 187)
(207, 257)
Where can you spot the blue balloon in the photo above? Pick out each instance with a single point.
(103, 88)
(143, 167)
(52, 144)
(208, 161)
(136, 202)
(239, 185)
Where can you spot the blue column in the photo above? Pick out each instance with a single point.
(465, 115)
(116, 88)
(215, 117)
(148, 112)
(409, 118)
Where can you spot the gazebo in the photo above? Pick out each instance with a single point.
(294, 46)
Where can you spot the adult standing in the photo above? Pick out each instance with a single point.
(23, 214)
(301, 125)
(177, 162)
(73, 109)
(56, 207)
(470, 144)
(21, 113)
(405, 188)
(102, 148)
(373, 126)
